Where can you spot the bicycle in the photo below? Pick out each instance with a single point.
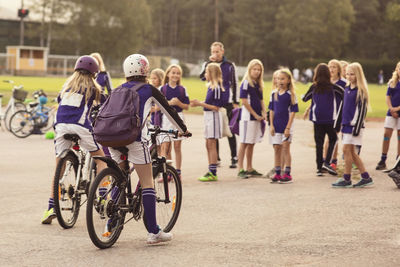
(23, 123)
(14, 104)
(111, 198)
(74, 173)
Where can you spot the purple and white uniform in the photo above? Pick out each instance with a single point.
(354, 112)
(394, 94)
(250, 128)
(104, 80)
(213, 119)
(282, 107)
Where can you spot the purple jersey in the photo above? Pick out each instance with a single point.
(341, 82)
(354, 112)
(214, 97)
(254, 97)
(103, 79)
(179, 92)
(282, 109)
(394, 94)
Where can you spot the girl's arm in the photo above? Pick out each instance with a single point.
(289, 125)
(196, 103)
(263, 110)
(271, 122)
(309, 93)
(176, 102)
(245, 103)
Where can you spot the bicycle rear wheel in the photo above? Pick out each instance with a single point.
(104, 216)
(66, 197)
(167, 213)
(9, 112)
(51, 113)
(22, 124)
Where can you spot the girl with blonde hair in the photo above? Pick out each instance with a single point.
(213, 122)
(252, 116)
(392, 121)
(355, 105)
(282, 106)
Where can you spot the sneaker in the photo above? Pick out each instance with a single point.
(381, 166)
(208, 177)
(364, 182)
(395, 177)
(276, 178)
(159, 237)
(333, 166)
(48, 216)
(254, 173)
(319, 172)
(286, 179)
(329, 169)
(243, 174)
(234, 162)
(342, 183)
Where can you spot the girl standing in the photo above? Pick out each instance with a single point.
(178, 98)
(326, 97)
(355, 105)
(282, 106)
(79, 93)
(156, 79)
(212, 119)
(392, 121)
(252, 116)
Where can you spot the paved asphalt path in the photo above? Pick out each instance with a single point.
(231, 222)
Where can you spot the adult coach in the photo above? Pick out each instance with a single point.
(230, 85)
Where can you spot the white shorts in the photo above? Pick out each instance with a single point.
(250, 132)
(138, 153)
(212, 125)
(392, 123)
(279, 138)
(350, 139)
(167, 125)
(87, 140)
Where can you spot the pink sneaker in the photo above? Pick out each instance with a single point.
(276, 178)
(286, 179)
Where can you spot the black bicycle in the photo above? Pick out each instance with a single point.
(111, 196)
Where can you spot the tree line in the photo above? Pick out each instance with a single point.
(278, 32)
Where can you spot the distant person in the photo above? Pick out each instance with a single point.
(212, 122)
(344, 64)
(296, 74)
(103, 77)
(381, 78)
(231, 90)
(355, 104)
(392, 120)
(253, 116)
(282, 107)
(309, 74)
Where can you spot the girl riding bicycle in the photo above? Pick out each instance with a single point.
(136, 69)
(77, 96)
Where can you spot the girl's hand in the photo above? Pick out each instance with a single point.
(264, 115)
(194, 103)
(394, 114)
(259, 118)
(287, 132)
(272, 130)
(173, 101)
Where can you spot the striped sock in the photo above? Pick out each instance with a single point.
(114, 193)
(365, 175)
(278, 170)
(287, 170)
(334, 161)
(347, 177)
(51, 203)
(383, 157)
(102, 191)
(213, 168)
(178, 171)
(149, 206)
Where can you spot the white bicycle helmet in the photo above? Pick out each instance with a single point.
(136, 65)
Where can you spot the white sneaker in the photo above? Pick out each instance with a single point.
(159, 237)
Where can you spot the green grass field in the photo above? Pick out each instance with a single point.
(195, 87)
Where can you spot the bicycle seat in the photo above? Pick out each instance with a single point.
(72, 137)
(32, 105)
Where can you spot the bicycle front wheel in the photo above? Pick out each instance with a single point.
(11, 111)
(66, 196)
(22, 124)
(106, 208)
(167, 213)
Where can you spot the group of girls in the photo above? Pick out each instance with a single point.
(80, 92)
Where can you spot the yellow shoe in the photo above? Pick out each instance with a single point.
(48, 216)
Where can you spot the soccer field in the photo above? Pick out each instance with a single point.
(195, 87)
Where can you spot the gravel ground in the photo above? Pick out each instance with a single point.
(232, 222)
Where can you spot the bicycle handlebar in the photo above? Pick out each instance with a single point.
(158, 130)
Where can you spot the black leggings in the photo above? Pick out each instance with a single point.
(231, 140)
(319, 136)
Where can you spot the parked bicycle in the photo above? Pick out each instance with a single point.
(74, 172)
(14, 104)
(111, 197)
(35, 120)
